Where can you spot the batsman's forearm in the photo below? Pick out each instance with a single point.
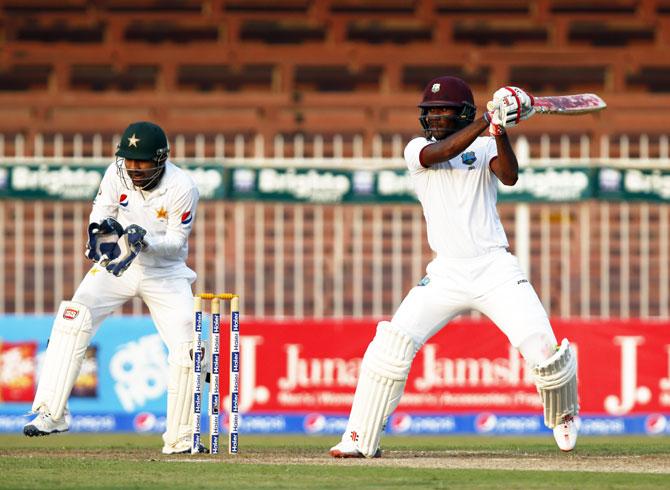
(454, 144)
(505, 166)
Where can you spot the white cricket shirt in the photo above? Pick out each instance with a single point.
(166, 212)
(459, 200)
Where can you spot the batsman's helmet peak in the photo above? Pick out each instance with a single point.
(145, 141)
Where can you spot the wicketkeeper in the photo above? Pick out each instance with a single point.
(455, 173)
(138, 238)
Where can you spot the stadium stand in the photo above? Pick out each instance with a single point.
(334, 78)
(320, 67)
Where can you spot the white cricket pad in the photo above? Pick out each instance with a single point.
(384, 371)
(179, 421)
(556, 381)
(70, 335)
(178, 430)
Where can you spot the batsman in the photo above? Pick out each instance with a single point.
(455, 173)
(138, 240)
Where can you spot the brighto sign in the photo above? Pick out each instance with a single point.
(312, 185)
(60, 181)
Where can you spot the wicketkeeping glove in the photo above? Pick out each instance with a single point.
(102, 240)
(130, 245)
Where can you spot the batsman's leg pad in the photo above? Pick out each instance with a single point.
(70, 336)
(556, 381)
(384, 371)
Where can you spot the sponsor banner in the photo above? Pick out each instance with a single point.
(634, 184)
(307, 366)
(322, 185)
(281, 184)
(141, 422)
(212, 180)
(86, 384)
(311, 367)
(31, 181)
(563, 184)
(80, 181)
(404, 423)
(400, 424)
(81, 422)
(123, 369)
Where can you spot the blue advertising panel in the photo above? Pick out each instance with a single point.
(128, 366)
(123, 385)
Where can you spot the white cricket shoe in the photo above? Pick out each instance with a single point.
(172, 450)
(43, 424)
(566, 434)
(180, 446)
(347, 449)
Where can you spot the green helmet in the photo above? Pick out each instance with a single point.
(140, 143)
(143, 141)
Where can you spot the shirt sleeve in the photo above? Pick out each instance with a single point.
(412, 153)
(180, 223)
(106, 202)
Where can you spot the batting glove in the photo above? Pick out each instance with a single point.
(518, 101)
(102, 240)
(495, 128)
(130, 244)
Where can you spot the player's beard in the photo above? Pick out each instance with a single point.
(439, 127)
(139, 184)
(151, 182)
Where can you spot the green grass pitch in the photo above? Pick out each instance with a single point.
(131, 461)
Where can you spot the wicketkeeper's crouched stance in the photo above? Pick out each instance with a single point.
(138, 238)
(455, 174)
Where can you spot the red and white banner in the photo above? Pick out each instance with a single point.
(310, 365)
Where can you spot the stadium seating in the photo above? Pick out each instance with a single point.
(320, 67)
(331, 79)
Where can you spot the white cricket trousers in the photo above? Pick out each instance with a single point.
(169, 300)
(492, 284)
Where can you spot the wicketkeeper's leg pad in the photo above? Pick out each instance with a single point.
(179, 422)
(556, 381)
(70, 336)
(384, 371)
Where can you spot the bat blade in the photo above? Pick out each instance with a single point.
(569, 104)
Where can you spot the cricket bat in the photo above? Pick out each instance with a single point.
(567, 105)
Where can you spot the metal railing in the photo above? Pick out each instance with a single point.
(587, 259)
(338, 150)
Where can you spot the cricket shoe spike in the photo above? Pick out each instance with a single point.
(566, 434)
(347, 449)
(43, 424)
